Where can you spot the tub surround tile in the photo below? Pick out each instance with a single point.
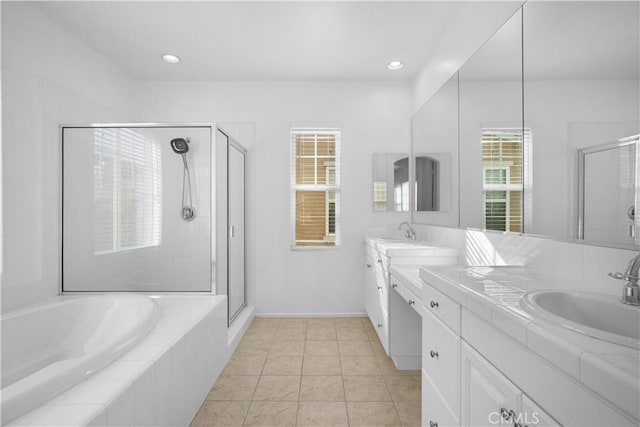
(322, 414)
(322, 388)
(121, 411)
(63, 416)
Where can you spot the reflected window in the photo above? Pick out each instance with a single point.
(503, 155)
(379, 196)
(127, 190)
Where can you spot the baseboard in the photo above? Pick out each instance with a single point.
(239, 327)
(407, 363)
(311, 314)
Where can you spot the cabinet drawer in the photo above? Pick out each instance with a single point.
(435, 412)
(533, 416)
(412, 300)
(442, 307)
(371, 251)
(441, 359)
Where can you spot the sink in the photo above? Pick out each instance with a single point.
(597, 315)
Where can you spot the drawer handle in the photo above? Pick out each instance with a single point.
(433, 304)
(505, 414)
(368, 265)
(394, 286)
(434, 354)
(379, 261)
(433, 423)
(411, 302)
(379, 325)
(379, 288)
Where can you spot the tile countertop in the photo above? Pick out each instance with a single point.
(494, 293)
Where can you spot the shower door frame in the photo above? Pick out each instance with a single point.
(582, 153)
(213, 271)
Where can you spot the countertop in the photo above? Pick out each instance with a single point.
(494, 293)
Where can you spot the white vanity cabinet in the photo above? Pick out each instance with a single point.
(376, 295)
(489, 398)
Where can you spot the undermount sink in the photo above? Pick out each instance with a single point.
(597, 315)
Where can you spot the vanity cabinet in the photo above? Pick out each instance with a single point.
(376, 295)
(489, 398)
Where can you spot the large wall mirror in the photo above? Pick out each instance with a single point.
(556, 78)
(434, 170)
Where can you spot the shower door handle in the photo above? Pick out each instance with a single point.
(232, 231)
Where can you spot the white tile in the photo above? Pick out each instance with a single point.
(147, 417)
(144, 389)
(552, 347)
(92, 391)
(120, 412)
(164, 371)
(145, 353)
(598, 261)
(568, 262)
(125, 369)
(100, 420)
(59, 415)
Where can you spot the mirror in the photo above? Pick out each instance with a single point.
(556, 78)
(581, 68)
(491, 135)
(390, 182)
(435, 145)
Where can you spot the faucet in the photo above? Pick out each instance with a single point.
(631, 289)
(410, 233)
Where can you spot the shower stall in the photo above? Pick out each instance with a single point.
(152, 208)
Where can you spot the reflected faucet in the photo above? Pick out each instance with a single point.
(409, 234)
(631, 289)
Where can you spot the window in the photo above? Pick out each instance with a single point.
(315, 187)
(127, 189)
(503, 184)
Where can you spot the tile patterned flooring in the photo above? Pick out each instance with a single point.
(312, 372)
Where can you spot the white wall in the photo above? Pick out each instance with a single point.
(48, 77)
(374, 118)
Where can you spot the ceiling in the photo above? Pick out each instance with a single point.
(260, 41)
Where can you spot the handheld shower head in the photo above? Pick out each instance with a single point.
(180, 145)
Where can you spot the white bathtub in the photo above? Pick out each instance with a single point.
(49, 348)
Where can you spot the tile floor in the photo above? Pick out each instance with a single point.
(312, 372)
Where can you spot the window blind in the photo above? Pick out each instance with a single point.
(127, 188)
(503, 177)
(315, 187)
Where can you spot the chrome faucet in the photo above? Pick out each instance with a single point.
(631, 289)
(409, 234)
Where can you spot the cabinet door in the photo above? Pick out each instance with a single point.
(533, 416)
(488, 397)
(369, 286)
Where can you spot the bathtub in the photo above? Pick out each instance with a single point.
(161, 381)
(49, 348)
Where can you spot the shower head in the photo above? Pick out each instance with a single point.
(180, 145)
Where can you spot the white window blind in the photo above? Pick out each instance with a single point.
(503, 161)
(315, 187)
(127, 190)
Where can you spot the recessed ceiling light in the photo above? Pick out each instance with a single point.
(171, 59)
(395, 65)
